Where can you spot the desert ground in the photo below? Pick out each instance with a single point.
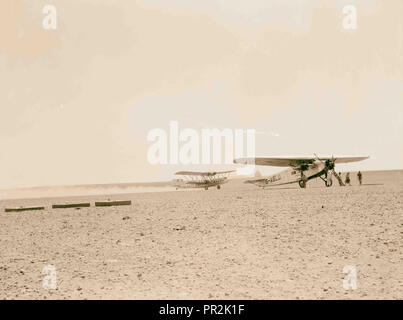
(240, 242)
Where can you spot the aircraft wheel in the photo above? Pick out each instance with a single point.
(205, 188)
(218, 187)
(328, 183)
(302, 183)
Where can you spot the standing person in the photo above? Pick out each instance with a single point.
(348, 179)
(359, 175)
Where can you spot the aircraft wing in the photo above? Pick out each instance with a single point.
(202, 174)
(347, 159)
(294, 161)
(276, 162)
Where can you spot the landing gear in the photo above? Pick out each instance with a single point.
(205, 188)
(218, 187)
(327, 179)
(302, 183)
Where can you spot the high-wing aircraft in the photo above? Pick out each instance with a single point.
(193, 179)
(300, 169)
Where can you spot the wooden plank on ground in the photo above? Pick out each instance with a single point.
(23, 209)
(71, 205)
(113, 203)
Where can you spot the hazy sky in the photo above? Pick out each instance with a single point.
(77, 102)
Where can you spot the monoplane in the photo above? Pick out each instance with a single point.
(300, 169)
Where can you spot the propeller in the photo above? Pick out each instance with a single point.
(330, 166)
(317, 158)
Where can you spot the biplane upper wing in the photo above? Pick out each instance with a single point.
(254, 181)
(294, 161)
(202, 174)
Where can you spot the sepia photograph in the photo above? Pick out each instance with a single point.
(212, 151)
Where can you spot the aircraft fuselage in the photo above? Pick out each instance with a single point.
(292, 175)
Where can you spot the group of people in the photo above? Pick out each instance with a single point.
(348, 181)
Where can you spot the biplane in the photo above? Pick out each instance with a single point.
(299, 169)
(194, 179)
